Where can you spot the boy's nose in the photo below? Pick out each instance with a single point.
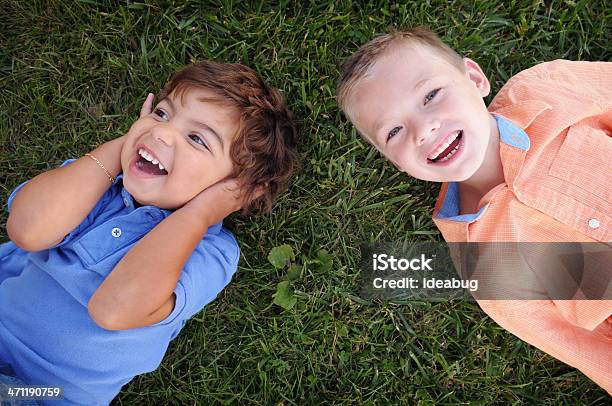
(428, 128)
(164, 133)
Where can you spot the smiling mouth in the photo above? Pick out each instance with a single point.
(148, 164)
(448, 149)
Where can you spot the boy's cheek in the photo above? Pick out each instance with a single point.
(395, 159)
(139, 127)
(124, 157)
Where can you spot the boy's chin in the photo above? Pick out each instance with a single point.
(141, 199)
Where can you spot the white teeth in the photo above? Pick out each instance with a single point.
(446, 158)
(150, 158)
(145, 155)
(445, 145)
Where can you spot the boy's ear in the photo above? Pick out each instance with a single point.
(477, 76)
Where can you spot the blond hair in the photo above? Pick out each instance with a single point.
(356, 67)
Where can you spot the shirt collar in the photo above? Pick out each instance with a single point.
(157, 212)
(511, 134)
(522, 113)
(450, 206)
(514, 141)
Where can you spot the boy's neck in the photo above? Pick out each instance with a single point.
(137, 204)
(489, 175)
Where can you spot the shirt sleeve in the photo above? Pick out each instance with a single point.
(577, 80)
(87, 221)
(207, 272)
(540, 323)
(569, 90)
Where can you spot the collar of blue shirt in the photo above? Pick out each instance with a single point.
(128, 201)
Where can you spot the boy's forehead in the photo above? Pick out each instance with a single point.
(412, 61)
(203, 106)
(201, 99)
(397, 75)
(184, 95)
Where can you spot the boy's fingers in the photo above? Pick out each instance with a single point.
(259, 192)
(230, 184)
(147, 106)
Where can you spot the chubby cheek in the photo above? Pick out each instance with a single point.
(212, 173)
(403, 157)
(126, 155)
(196, 176)
(398, 162)
(140, 127)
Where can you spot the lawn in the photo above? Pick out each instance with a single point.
(73, 75)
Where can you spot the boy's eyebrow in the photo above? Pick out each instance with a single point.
(421, 83)
(198, 124)
(169, 101)
(209, 128)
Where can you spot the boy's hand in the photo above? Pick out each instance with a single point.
(111, 150)
(109, 153)
(216, 202)
(147, 106)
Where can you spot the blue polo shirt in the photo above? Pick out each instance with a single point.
(46, 334)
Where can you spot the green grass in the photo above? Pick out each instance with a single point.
(73, 76)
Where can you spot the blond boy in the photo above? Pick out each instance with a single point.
(532, 167)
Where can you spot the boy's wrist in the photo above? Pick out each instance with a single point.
(109, 155)
(201, 215)
(111, 178)
(215, 203)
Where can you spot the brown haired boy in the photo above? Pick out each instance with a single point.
(113, 252)
(533, 167)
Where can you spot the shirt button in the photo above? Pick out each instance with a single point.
(594, 223)
(116, 232)
(126, 201)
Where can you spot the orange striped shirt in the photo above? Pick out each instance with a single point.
(555, 123)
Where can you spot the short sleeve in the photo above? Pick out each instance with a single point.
(206, 273)
(85, 223)
(572, 90)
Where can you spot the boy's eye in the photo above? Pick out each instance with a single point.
(429, 97)
(393, 132)
(196, 138)
(160, 113)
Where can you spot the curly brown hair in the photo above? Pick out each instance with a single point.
(264, 151)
